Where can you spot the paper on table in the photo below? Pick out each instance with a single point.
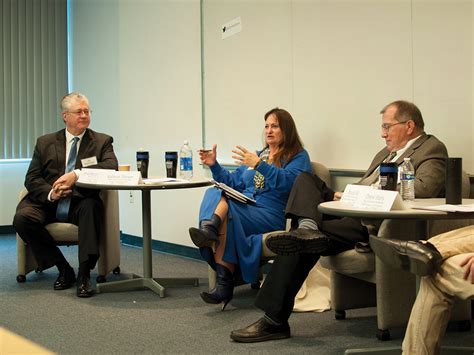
(153, 181)
(447, 208)
(109, 177)
(232, 193)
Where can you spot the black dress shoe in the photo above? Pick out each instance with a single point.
(66, 279)
(298, 241)
(261, 330)
(84, 288)
(419, 258)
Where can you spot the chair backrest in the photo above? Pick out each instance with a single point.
(323, 172)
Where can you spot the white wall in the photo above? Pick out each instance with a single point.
(139, 63)
(12, 177)
(334, 64)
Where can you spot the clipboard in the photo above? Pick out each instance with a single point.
(232, 193)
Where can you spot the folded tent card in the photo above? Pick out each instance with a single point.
(109, 177)
(368, 198)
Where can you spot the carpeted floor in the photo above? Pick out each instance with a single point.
(141, 322)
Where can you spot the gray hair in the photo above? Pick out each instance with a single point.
(406, 111)
(68, 100)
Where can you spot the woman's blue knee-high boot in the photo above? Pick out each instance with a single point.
(224, 290)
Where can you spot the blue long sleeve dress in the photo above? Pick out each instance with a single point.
(247, 222)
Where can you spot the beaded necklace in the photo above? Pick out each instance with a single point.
(259, 179)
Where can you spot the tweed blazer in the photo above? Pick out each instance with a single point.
(428, 156)
(49, 162)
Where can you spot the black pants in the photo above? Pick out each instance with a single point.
(277, 296)
(86, 213)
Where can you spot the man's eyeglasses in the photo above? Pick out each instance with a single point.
(85, 112)
(386, 126)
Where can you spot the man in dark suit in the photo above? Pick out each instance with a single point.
(52, 195)
(314, 235)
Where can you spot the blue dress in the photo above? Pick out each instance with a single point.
(247, 222)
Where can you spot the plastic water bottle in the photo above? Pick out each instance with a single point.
(186, 162)
(407, 180)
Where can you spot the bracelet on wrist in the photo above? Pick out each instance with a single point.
(258, 163)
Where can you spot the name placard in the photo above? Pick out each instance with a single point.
(368, 198)
(109, 177)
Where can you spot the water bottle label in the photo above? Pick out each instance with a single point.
(186, 164)
(408, 176)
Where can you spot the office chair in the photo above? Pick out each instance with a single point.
(67, 234)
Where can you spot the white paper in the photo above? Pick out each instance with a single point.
(368, 198)
(231, 28)
(109, 177)
(153, 181)
(447, 208)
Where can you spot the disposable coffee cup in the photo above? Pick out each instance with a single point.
(142, 163)
(454, 181)
(124, 167)
(388, 176)
(171, 162)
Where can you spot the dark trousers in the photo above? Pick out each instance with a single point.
(277, 296)
(86, 213)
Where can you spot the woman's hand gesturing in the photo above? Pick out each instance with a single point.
(208, 157)
(245, 157)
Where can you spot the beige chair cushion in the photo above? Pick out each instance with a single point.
(350, 262)
(267, 253)
(63, 232)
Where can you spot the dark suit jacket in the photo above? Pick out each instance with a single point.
(49, 162)
(428, 156)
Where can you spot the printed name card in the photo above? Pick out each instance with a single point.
(109, 177)
(368, 198)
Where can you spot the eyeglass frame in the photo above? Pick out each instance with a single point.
(85, 112)
(386, 127)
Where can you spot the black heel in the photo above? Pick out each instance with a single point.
(224, 290)
(225, 304)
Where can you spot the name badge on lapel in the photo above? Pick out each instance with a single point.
(88, 162)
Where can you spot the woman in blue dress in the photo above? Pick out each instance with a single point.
(230, 232)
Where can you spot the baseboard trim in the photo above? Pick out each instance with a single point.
(7, 230)
(163, 247)
(128, 239)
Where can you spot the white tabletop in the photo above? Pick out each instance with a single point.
(338, 208)
(155, 186)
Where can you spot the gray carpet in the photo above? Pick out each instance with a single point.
(141, 322)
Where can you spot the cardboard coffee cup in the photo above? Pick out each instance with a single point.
(124, 167)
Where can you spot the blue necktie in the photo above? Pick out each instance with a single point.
(62, 211)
